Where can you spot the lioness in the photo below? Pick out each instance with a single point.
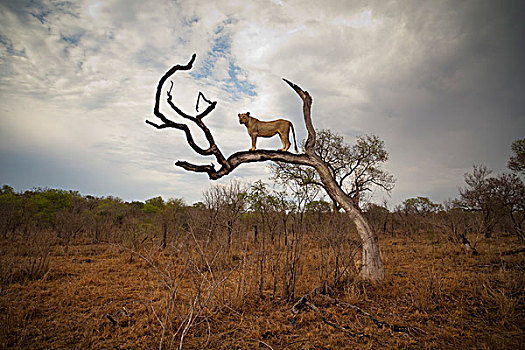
(260, 128)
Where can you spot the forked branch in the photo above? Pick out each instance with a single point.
(204, 98)
(167, 123)
(236, 159)
(307, 107)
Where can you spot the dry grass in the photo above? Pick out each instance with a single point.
(104, 296)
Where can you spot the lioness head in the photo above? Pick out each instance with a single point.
(244, 117)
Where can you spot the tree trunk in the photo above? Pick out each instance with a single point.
(371, 262)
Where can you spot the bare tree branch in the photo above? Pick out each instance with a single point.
(239, 158)
(167, 123)
(307, 104)
(204, 98)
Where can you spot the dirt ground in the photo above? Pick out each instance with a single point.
(434, 296)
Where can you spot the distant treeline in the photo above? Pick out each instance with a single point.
(486, 205)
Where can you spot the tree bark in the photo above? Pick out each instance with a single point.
(371, 262)
(372, 266)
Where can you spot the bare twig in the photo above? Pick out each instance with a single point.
(169, 91)
(263, 343)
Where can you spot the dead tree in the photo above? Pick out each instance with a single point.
(372, 266)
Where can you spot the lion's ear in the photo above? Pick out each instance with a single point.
(239, 115)
(247, 113)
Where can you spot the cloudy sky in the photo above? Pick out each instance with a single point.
(441, 82)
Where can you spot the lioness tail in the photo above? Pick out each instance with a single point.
(294, 141)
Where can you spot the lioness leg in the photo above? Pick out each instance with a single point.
(284, 135)
(254, 141)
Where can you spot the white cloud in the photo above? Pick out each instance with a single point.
(362, 19)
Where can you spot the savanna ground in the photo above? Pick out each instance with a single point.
(434, 296)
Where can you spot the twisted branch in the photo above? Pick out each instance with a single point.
(167, 123)
(236, 159)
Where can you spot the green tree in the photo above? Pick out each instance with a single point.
(153, 205)
(137, 204)
(421, 206)
(45, 203)
(10, 209)
(319, 206)
(198, 205)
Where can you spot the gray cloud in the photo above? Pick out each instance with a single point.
(440, 82)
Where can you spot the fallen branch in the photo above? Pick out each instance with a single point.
(380, 324)
(304, 302)
(113, 322)
(323, 292)
(513, 251)
(301, 302)
(119, 317)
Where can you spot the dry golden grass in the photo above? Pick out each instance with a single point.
(105, 296)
